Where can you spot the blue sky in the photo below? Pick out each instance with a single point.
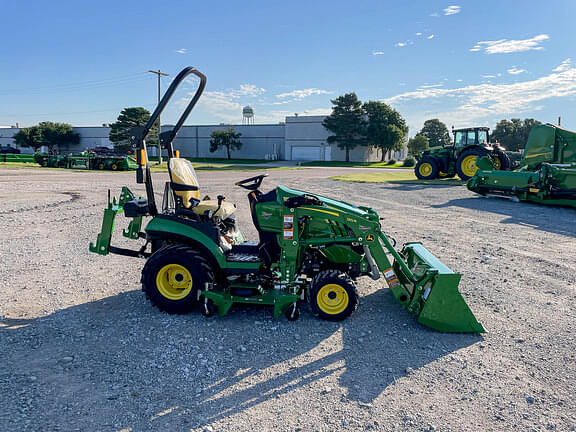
(469, 63)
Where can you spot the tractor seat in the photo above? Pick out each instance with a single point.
(225, 211)
(184, 183)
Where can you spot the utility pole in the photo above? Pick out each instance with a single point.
(159, 74)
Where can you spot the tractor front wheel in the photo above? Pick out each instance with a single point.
(172, 277)
(332, 295)
(426, 168)
(466, 164)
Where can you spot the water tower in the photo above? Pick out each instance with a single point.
(247, 115)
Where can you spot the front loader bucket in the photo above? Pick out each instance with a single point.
(432, 294)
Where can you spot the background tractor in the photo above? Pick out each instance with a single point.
(460, 157)
(310, 248)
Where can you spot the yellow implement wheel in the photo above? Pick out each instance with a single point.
(44, 163)
(496, 162)
(114, 167)
(332, 299)
(174, 281)
(332, 295)
(466, 164)
(101, 166)
(425, 169)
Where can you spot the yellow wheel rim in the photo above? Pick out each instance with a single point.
(468, 165)
(496, 162)
(101, 166)
(332, 299)
(174, 281)
(425, 169)
(114, 167)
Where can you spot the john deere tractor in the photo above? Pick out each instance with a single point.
(310, 248)
(460, 157)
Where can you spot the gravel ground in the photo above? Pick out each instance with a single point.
(81, 349)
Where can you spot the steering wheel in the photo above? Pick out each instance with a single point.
(251, 183)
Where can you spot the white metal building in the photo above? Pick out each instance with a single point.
(301, 138)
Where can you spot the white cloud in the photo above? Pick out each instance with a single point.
(515, 71)
(400, 44)
(505, 46)
(301, 94)
(565, 65)
(182, 50)
(488, 76)
(427, 86)
(225, 105)
(430, 37)
(249, 90)
(485, 101)
(452, 10)
(419, 34)
(375, 53)
(435, 14)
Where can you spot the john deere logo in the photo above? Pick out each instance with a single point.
(370, 237)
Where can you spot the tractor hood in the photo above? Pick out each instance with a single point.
(284, 193)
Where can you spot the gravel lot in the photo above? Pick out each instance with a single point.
(81, 348)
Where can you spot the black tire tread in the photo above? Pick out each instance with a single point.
(193, 256)
(338, 277)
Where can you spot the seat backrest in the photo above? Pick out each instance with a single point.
(184, 181)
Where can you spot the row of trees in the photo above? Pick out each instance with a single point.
(372, 123)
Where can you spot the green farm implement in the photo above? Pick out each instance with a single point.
(460, 157)
(86, 160)
(310, 248)
(547, 172)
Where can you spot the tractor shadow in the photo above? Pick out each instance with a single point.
(135, 367)
(553, 219)
(418, 185)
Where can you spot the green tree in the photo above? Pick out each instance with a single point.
(50, 134)
(436, 132)
(28, 137)
(386, 129)
(128, 119)
(513, 134)
(418, 144)
(225, 138)
(346, 122)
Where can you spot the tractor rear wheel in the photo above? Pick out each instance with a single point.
(426, 168)
(466, 164)
(332, 295)
(172, 277)
(501, 161)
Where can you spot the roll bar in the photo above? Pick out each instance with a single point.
(139, 133)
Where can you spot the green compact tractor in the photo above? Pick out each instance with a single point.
(310, 248)
(547, 172)
(460, 157)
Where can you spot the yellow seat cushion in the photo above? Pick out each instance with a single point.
(225, 211)
(182, 172)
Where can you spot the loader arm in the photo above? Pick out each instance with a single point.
(425, 287)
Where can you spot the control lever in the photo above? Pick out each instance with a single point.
(220, 198)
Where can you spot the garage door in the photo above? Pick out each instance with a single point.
(306, 153)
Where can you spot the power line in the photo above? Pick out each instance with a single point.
(108, 82)
(73, 112)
